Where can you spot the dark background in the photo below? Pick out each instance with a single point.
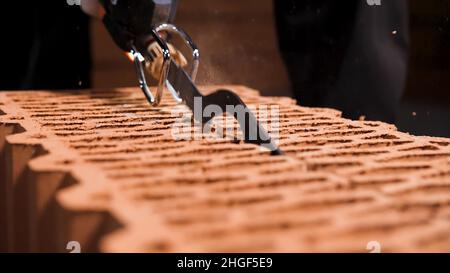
(426, 104)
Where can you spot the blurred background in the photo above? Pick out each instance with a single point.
(238, 42)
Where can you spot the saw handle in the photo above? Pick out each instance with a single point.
(140, 62)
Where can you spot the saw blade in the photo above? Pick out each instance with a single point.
(180, 83)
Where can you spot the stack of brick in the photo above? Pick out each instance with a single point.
(102, 168)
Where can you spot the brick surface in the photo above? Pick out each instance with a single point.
(102, 168)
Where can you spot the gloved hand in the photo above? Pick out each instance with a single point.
(95, 9)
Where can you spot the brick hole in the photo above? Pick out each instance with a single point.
(154, 183)
(64, 162)
(166, 123)
(315, 123)
(284, 225)
(130, 137)
(383, 136)
(73, 134)
(158, 246)
(294, 149)
(59, 124)
(420, 148)
(274, 170)
(246, 155)
(124, 104)
(213, 143)
(134, 136)
(141, 129)
(131, 111)
(95, 117)
(109, 159)
(118, 119)
(154, 197)
(39, 108)
(343, 133)
(56, 115)
(315, 206)
(119, 126)
(417, 157)
(204, 151)
(294, 129)
(393, 170)
(141, 174)
(71, 129)
(288, 117)
(66, 118)
(236, 202)
(69, 110)
(331, 166)
(319, 142)
(195, 220)
(93, 152)
(314, 118)
(440, 174)
(374, 183)
(429, 189)
(441, 143)
(16, 118)
(386, 227)
(342, 127)
(250, 164)
(349, 154)
(92, 146)
(275, 183)
(139, 164)
(376, 144)
(373, 124)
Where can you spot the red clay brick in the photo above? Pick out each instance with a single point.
(101, 168)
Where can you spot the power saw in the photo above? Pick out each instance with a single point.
(135, 25)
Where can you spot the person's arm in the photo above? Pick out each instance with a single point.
(163, 12)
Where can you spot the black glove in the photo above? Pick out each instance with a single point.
(131, 20)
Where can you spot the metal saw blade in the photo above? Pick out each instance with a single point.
(179, 82)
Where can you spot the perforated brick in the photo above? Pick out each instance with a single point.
(102, 168)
